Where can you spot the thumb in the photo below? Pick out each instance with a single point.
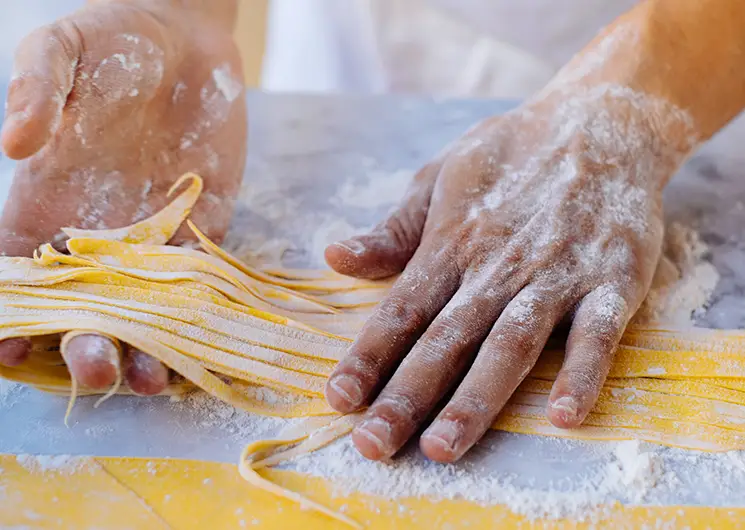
(388, 248)
(43, 76)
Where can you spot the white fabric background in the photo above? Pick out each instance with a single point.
(486, 48)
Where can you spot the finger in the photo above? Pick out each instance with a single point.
(145, 374)
(389, 247)
(504, 359)
(93, 360)
(43, 76)
(14, 351)
(598, 325)
(418, 295)
(426, 374)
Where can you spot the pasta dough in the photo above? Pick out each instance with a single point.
(226, 326)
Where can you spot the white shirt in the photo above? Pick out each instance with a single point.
(489, 48)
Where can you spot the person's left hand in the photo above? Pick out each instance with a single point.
(108, 106)
(522, 222)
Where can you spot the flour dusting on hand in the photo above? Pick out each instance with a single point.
(227, 84)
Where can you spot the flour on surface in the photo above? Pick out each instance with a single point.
(683, 283)
(10, 393)
(377, 188)
(211, 412)
(328, 231)
(256, 248)
(626, 472)
(64, 464)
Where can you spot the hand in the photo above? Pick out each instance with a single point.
(106, 109)
(553, 210)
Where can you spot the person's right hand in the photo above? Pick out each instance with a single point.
(106, 109)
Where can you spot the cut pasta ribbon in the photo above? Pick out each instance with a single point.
(240, 331)
(304, 438)
(158, 229)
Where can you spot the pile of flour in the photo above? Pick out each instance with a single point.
(683, 282)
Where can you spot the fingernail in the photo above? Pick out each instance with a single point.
(444, 433)
(353, 246)
(567, 407)
(378, 432)
(348, 387)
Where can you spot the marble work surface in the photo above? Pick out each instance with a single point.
(322, 168)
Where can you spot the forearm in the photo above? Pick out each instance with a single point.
(223, 12)
(689, 53)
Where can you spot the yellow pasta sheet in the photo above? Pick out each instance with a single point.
(169, 494)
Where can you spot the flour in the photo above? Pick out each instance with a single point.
(683, 283)
(99, 431)
(621, 37)
(328, 231)
(10, 393)
(226, 82)
(104, 193)
(253, 248)
(178, 90)
(213, 413)
(128, 62)
(137, 69)
(216, 98)
(62, 464)
(377, 188)
(627, 473)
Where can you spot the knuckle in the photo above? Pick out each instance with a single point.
(404, 227)
(64, 33)
(366, 364)
(429, 352)
(402, 315)
(454, 329)
(519, 335)
(606, 312)
(472, 409)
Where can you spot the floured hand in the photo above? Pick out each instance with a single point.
(106, 109)
(552, 210)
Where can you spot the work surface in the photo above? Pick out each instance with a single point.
(318, 169)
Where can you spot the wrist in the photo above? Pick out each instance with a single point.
(620, 132)
(614, 94)
(687, 53)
